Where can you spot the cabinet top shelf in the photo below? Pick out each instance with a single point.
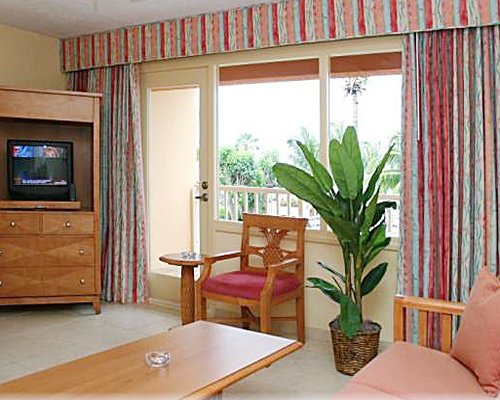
(51, 91)
(39, 205)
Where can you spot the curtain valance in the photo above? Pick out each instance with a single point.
(269, 25)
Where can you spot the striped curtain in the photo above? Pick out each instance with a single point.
(123, 232)
(271, 24)
(451, 195)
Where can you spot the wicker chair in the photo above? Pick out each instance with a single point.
(270, 273)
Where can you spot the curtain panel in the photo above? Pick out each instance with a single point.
(271, 24)
(123, 231)
(451, 171)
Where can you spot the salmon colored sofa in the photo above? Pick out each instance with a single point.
(415, 372)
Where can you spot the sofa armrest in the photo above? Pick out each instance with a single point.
(446, 309)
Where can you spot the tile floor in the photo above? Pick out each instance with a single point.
(36, 338)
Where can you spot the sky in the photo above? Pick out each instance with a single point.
(274, 112)
(379, 108)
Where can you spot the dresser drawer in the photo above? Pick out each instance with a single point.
(21, 282)
(68, 223)
(13, 223)
(38, 251)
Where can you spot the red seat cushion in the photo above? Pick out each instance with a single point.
(248, 285)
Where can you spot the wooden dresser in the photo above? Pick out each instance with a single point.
(49, 256)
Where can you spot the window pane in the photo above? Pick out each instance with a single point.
(372, 104)
(258, 124)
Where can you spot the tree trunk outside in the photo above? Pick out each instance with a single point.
(356, 111)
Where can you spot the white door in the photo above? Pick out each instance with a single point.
(177, 182)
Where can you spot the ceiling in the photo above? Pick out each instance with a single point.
(66, 18)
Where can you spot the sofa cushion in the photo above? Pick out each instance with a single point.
(477, 344)
(413, 372)
(248, 285)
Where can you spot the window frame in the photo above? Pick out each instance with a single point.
(369, 65)
(326, 72)
(295, 70)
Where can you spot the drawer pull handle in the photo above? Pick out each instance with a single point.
(82, 281)
(1, 283)
(12, 224)
(81, 252)
(1, 253)
(67, 225)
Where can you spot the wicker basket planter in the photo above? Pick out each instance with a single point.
(352, 354)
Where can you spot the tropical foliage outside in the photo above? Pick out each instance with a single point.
(245, 165)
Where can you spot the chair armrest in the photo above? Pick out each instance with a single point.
(209, 261)
(445, 310)
(272, 271)
(283, 264)
(222, 256)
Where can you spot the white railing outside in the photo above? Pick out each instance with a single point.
(235, 200)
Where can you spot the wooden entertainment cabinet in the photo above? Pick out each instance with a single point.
(50, 253)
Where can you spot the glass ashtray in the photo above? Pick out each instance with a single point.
(157, 359)
(189, 255)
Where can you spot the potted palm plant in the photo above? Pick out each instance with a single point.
(357, 218)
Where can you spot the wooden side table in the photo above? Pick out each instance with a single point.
(187, 264)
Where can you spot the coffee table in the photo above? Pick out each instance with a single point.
(206, 359)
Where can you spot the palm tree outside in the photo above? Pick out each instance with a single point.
(247, 142)
(354, 87)
(309, 140)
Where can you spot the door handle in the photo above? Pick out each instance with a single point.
(202, 197)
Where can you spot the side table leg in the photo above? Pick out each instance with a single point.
(187, 295)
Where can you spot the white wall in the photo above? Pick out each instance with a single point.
(224, 236)
(29, 60)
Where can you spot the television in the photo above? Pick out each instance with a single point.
(39, 170)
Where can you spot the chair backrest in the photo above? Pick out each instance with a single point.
(270, 232)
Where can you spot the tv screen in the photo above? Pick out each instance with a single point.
(39, 170)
